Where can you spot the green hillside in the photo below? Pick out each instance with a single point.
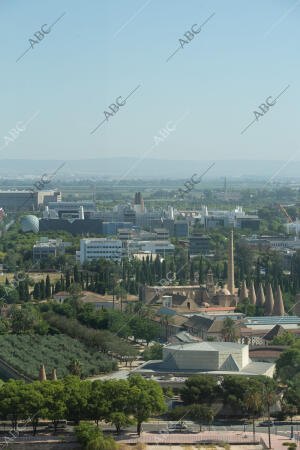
(26, 353)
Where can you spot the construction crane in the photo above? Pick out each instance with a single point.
(286, 213)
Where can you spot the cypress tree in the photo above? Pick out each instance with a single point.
(48, 287)
(76, 274)
(36, 291)
(57, 286)
(21, 291)
(68, 282)
(42, 290)
(26, 292)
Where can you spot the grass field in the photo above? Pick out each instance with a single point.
(36, 276)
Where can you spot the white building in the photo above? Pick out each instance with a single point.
(96, 248)
(210, 358)
(293, 227)
(152, 247)
(269, 322)
(48, 247)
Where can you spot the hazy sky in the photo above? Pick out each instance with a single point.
(101, 50)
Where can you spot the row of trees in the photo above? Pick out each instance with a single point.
(254, 395)
(135, 322)
(119, 402)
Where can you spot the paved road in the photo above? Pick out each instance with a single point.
(163, 426)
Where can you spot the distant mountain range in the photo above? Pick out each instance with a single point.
(149, 168)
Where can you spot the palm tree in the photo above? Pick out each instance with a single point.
(269, 399)
(254, 404)
(147, 312)
(74, 367)
(229, 330)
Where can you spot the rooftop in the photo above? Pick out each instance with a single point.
(269, 320)
(206, 346)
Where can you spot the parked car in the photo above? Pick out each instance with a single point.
(266, 423)
(179, 426)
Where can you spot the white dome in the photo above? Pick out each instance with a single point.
(30, 223)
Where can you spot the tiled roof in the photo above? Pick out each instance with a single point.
(199, 322)
(266, 352)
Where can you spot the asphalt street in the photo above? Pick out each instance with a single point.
(192, 427)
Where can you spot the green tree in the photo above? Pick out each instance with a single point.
(48, 287)
(54, 396)
(146, 397)
(11, 404)
(201, 414)
(118, 395)
(254, 405)
(86, 432)
(36, 291)
(288, 364)
(77, 395)
(68, 281)
(199, 389)
(285, 338)
(42, 289)
(153, 352)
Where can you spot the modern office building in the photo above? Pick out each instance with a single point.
(70, 210)
(199, 244)
(27, 199)
(111, 228)
(276, 243)
(162, 234)
(96, 248)
(48, 247)
(151, 247)
(179, 228)
(236, 218)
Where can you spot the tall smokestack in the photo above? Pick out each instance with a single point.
(230, 283)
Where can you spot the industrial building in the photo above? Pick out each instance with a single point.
(27, 199)
(209, 358)
(236, 218)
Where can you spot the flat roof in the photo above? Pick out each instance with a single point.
(269, 320)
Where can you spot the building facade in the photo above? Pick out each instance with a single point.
(96, 248)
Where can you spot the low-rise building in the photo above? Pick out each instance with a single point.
(269, 322)
(151, 247)
(204, 327)
(14, 200)
(48, 247)
(209, 358)
(162, 234)
(60, 297)
(96, 248)
(268, 353)
(199, 244)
